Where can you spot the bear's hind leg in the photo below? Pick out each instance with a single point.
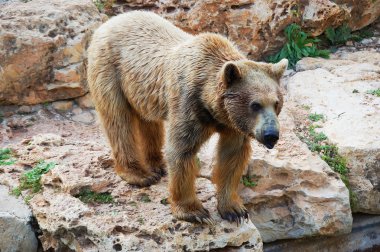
(152, 139)
(120, 122)
(122, 131)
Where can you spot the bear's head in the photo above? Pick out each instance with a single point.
(252, 99)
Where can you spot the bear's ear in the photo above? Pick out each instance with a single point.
(231, 73)
(279, 68)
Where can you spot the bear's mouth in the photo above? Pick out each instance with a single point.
(269, 146)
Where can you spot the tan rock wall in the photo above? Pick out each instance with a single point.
(42, 49)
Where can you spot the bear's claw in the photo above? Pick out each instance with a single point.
(234, 214)
(161, 171)
(200, 215)
(140, 180)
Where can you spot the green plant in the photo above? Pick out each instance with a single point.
(31, 180)
(248, 181)
(99, 4)
(318, 142)
(16, 191)
(375, 92)
(88, 196)
(343, 33)
(366, 32)
(355, 91)
(298, 45)
(316, 117)
(340, 35)
(6, 157)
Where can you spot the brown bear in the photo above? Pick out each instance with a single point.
(143, 70)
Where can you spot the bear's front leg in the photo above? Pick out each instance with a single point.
(233, 153)
(183, 144)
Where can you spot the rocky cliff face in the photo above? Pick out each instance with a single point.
(340, 90)
(257, 25)
(42, 49)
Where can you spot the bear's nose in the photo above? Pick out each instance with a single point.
(270, 138)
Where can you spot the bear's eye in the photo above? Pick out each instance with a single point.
(276, 105)
(255, 106)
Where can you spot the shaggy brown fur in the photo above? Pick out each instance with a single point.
(143, 70)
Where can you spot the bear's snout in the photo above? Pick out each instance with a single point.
(271, 136)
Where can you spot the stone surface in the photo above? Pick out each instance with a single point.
(136, 221)
(16, 232)
(24, 110)
(85, 101)
(257, 25)
(365, 236)
(297, 194)
(352, 119)
(62, 105)
(43, 49)
(84, 117)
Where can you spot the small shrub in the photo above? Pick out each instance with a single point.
(298, 45)
(99, 4)
(31, 180)
(6, 157)
(316, 117)
(342, 34)
(88, 196)
(375, 92)
(248, 181)
(355, 91)
(16, 191)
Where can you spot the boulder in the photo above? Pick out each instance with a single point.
(339, 89)
(297, 194)
(62, 105)
(16, 231)
(43, 49)
(257, 26)
(85, 101)
(136, 220)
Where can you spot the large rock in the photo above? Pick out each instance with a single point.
(43, 49)
(138, 220)
(257, 25)
(16, 231)
(338, 89)
(297, 195)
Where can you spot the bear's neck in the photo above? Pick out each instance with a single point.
(216, 50)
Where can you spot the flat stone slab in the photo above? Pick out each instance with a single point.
(139, 219)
